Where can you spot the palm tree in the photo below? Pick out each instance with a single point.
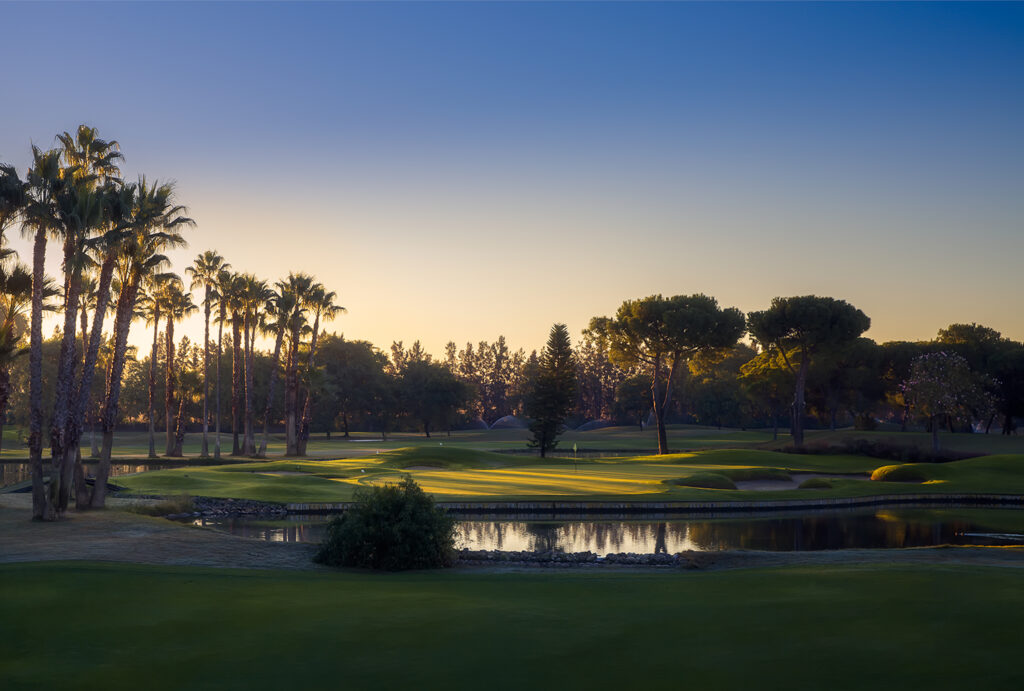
(222, 288)
(89, 154)
(282, 309)
(254, 297)
(204, 271)
(85, 215)
(44, 182)
(13, 197)
(298, 285)
(15, 300)
(154, 223)
(151, 303)
(231, 297)
(321, 303)
(177, 305)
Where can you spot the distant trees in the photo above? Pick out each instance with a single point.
(943, 384)
(431, 394)
(662, 334)
(552, 391)
(798, 328)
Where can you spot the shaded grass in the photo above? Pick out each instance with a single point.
(794, 628)
(181, 503)
(704, 480)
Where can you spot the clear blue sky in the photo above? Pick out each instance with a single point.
(458, 171)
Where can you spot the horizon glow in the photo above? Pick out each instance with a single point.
(464, 171)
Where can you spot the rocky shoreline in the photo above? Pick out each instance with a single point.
(212, 507)
(688, 560)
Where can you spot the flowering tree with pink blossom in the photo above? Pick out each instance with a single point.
(941, 384)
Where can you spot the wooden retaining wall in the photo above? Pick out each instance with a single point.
(684, 507)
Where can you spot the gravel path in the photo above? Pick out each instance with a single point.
(114, 535)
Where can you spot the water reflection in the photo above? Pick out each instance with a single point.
(883, 528)
(14, 473)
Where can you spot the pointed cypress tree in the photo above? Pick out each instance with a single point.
(553, 391)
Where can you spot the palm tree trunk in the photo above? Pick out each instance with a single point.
(152, 383)
(169, 384)
(247, 438)
(179, 428)
(5, 394)
(42, 508)
(270, 389)
(60, 480)
(236, 381)
(307, 407)
(291, 395)
(220, 341)
(206, 381)
(122, 324)
(250, 344)
(81, 396)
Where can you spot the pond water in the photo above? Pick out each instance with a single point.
(13, 473)
(872, 528)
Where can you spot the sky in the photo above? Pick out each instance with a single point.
(460, 171)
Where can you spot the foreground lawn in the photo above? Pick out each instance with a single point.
(100, 626)
(461, 474)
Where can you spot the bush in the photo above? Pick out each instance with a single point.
(899, 473)
(704, 480)
(815, 483)
(392, 527)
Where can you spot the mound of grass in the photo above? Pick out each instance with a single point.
(816, 483)
(899, 473)
(756, 458)
(886, 450)
(747, 474)
(704, 481)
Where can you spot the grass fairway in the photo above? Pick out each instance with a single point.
(101, 626)
(461, 474)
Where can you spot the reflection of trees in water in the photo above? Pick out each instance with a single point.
(809, 532)
(14, 473)
(833, 531)
(575, 536)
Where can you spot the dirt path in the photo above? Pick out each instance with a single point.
(114, 535)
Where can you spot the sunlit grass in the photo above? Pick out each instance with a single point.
(455, 474)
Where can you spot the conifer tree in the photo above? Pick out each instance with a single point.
(554, 389)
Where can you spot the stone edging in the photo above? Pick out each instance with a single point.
(684, 507)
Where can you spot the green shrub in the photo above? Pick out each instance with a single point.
(704, 480)
(899, 473)
(392, 527)
(815, 483)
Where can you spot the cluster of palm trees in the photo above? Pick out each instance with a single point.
(113, 236)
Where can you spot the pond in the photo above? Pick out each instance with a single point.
(13, 473)
(825, 530)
